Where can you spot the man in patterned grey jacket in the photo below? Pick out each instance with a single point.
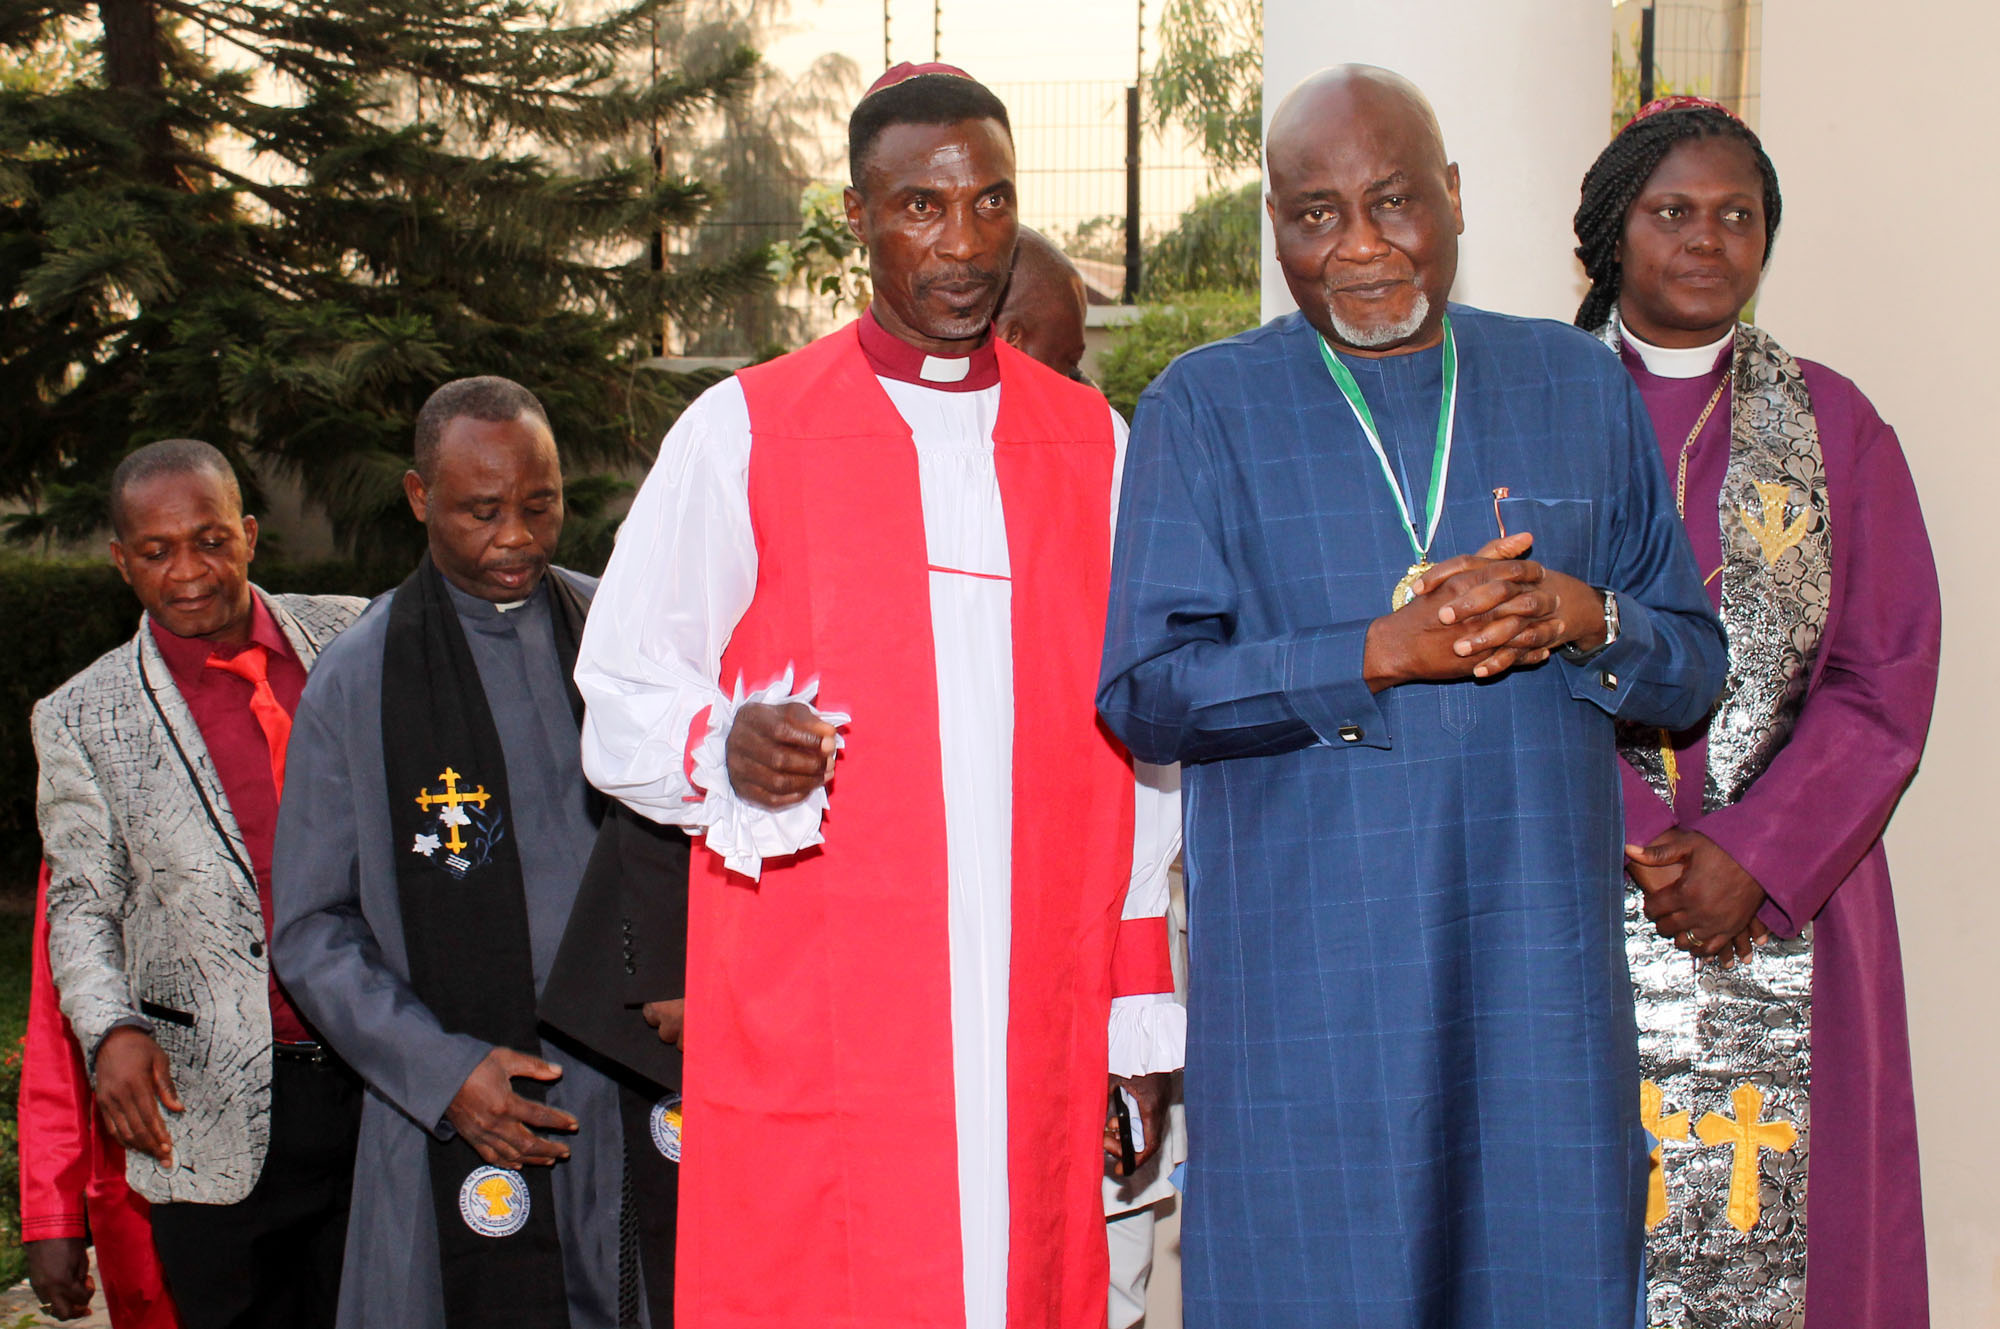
(161, 770)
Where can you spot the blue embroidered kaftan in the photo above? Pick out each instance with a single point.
(1412, 1085)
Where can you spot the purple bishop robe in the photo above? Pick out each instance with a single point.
(1810, 831)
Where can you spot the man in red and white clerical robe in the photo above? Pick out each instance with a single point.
(904, 994)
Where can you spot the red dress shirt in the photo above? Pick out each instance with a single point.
(236, 744)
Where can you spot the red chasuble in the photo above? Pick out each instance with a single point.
(819, 1186)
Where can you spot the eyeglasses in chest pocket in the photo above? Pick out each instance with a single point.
(1565, 531)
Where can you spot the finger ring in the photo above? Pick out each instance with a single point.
(1692, 940)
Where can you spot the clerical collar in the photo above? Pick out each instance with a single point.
(477, 609)
(892, 357)
(1677, 361)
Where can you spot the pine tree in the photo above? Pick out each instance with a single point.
(278, 226)
(765, 152)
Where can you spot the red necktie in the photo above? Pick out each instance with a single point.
(252, 666)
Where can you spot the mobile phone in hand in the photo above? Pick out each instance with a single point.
(1124, 1115)
(1135, 1117)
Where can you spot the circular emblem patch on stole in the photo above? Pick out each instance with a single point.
(494, 1202)
(666, 1123)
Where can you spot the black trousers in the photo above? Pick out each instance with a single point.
(272, 1260)
(648, 1223)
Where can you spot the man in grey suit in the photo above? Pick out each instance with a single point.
(161, 769)
(427, 865)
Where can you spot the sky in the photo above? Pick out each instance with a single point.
(1011, 41)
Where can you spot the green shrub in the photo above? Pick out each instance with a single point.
(1214, 246)
(1142, 348)
(13, 1262)
(65, 613)
(62, 615)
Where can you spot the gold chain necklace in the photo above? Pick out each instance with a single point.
(1669, 759)
(1681, 478)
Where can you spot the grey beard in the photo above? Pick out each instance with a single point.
(1370, 338)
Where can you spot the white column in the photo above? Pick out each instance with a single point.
(1886, 269)
(1523, 94)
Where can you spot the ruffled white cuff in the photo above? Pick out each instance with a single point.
(1148, 1034)
(743, 833)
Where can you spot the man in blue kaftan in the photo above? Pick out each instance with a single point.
(1412, 1082)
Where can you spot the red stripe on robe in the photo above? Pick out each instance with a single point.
(820, 1183)
(1141, 962)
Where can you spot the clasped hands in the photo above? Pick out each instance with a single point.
(1479, 615)
(1698, 895)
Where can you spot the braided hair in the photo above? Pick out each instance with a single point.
(1614, 181)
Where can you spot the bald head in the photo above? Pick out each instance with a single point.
(1365, 209)
(1354, 97)
(1042, 312)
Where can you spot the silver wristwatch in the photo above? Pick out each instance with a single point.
(1571, 652)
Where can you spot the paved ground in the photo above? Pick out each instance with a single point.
(20, 1310)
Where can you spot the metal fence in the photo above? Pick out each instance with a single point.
(1076, 176)
(1071, 144)
(1710, 48)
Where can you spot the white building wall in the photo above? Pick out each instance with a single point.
(1523, 94)
(1881, 128)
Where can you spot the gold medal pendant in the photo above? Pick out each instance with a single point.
(1406, 589)
(1420, 536)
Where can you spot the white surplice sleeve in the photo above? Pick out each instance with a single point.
(1148, 1031)
(657, 716)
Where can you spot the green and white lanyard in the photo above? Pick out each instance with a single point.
(1440, 458)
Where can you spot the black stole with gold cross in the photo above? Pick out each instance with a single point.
(465, 929)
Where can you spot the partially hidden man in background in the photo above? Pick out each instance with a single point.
(617, 987)
(1411, 1046)
(428, 858)
(74, 1196)
(903, 972)
(1785, 1184)
(161, 770)
(1043, 314)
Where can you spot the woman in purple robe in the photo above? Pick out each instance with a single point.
(1778, 1087)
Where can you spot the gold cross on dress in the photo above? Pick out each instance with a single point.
(1748, 1134)
(449, 799)
(1663, 1128)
